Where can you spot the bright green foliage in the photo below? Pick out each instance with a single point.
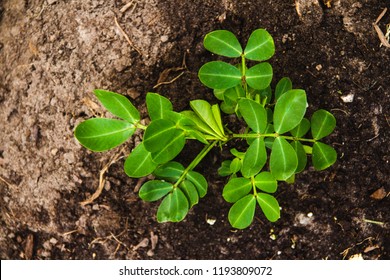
(223, 42)
(283, 159)
(260, 46)
(289, 110)
(139, 163)
(322, 124)
(102, 134)
(259, 76)
(282, 86)
(219, 75)
(274, 146)
(118, 105)
(242, 212)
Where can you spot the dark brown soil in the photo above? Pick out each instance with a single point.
(54, 53)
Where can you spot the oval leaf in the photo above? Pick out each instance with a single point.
(289, 110)
(265, 181)
(173, 208)
(222, 42)
(199, 182)
(158, 133)
(100, 134)
(269, 205)
(139, 163)
(301, 129)
(323, 156)
(322, 124)
(170, 171)
(242, 212)
(157, 105)
(259, 76)
(260, 46)
(254, 159)
(118, 105)
(283, 159)
(224, 170)
(154, 190)
(171, 149)
(301, 156)
(190, 192)
(219, 75)
(235, 165)
(236, 188)
(254, 114)
(282, 86)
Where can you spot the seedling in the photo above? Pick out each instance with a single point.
(276, 142)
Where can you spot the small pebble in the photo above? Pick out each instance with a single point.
(348, 98)
(164, 38)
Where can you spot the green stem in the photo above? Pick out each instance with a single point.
(274, 135)
(140, 126)
(245, 85)
(196, 161)
(253, 186)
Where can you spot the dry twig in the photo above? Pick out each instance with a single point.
(127, 37)
(381, 36)
(101, 179)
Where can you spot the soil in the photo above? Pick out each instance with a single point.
(53, 53)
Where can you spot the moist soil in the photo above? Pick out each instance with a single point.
(53, 53)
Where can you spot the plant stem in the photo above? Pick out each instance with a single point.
(253, 186)
(274, 135)
(196, 161)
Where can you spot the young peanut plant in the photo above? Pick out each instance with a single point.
(278, 138)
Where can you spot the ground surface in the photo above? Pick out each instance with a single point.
(54, 53)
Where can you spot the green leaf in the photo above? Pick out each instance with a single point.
(323, 156)
(266, 95)
(254, 159)
(190, 192)
(301, 156)
(158, 133)
(283, 159)
(260, 46)
(100, 134)
(199, 182)
(139, 163)
(219, 75)
(265, 181)
(301, 129)
(157, 105)
(236, 188)
(237, 153)
(205, 112)
(118, 105)
(289, 110)
(173, 208)
(200, 124)
(171, 149)
(224, 170)
(269, 205)
(322, 124)
(254, 114)
(193, 133)
(235, 166)
(170, 171)
(217, 117)
(282, 86)
(154, 190)
(259, 76)
(242, 212)
(222, 42)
